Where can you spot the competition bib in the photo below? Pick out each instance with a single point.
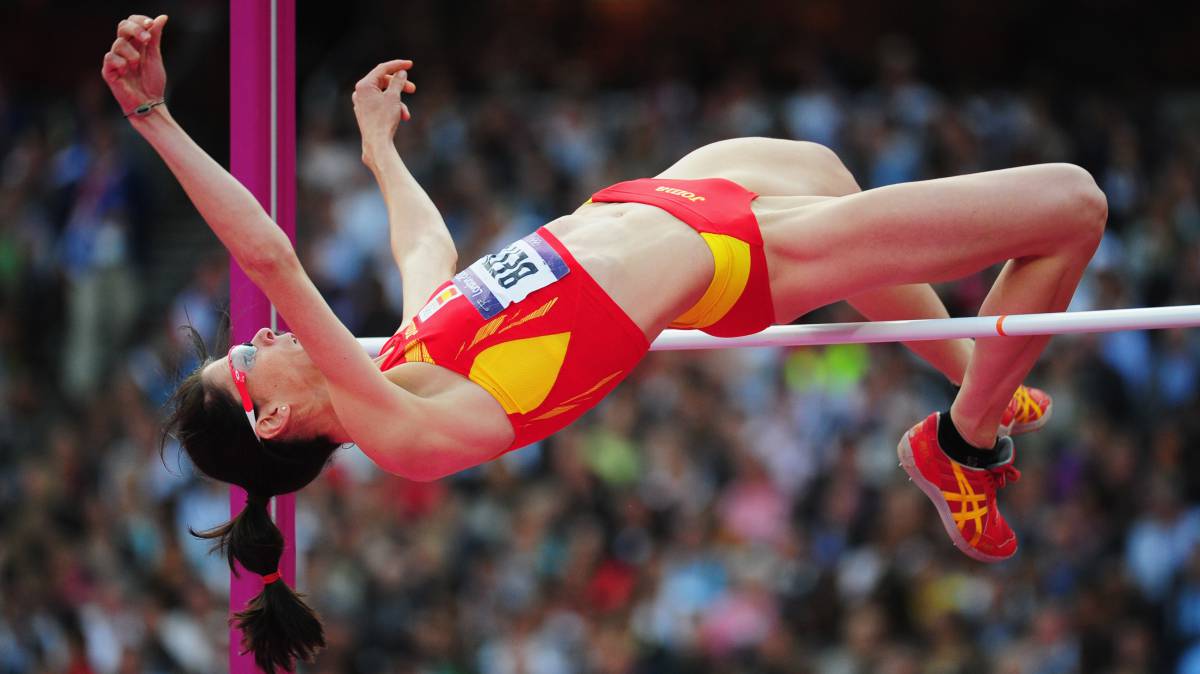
(495, 281)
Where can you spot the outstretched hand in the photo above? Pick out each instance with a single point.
(133, 66)
(377, 104)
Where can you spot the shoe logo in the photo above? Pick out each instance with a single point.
(690, 196)
(972, 506)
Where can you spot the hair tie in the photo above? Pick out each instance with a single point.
(270, 578)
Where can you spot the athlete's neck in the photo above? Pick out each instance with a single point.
(322, 419)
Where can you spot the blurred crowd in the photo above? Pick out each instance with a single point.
(730, 512)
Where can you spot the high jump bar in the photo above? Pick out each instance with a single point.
(1015, 325)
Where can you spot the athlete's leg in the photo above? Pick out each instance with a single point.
(773, 167)
(917, 301)
(1047, 220)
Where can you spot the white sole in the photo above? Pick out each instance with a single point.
(904, 451)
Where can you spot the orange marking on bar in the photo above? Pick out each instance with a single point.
(1000, 325)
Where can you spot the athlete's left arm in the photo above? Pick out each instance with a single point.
(421, 244)
(421, 438)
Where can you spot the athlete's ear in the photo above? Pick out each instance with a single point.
(273, 421)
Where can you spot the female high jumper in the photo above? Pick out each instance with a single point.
(732, 238)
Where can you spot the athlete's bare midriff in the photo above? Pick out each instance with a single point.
(651, 264)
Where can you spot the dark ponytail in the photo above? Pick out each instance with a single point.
(277, 626)
(211, 427)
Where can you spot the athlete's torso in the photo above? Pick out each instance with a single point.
(626, 248)
(652, 265)
(529, 326)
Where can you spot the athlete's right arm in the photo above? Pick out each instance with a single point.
(421, 244)
(134, 72)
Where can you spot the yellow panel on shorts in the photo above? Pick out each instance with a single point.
(521, 372)
(731, 271)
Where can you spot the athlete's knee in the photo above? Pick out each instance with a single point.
(1071, 207)
(1086, 204)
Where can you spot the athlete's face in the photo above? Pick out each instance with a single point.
(276, 372)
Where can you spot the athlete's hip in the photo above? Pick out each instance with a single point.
(654, 226)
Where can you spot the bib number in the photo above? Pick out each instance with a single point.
(509, 266)
(495, 281)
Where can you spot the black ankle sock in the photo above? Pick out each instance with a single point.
(960, 450)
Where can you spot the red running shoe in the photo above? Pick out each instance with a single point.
(1028, 411)
(965, 496)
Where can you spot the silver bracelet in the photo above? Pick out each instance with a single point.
(145, 108)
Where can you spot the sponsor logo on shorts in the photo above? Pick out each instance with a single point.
(690, 196)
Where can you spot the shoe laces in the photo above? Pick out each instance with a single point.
(1000, 476)
(1026, 406)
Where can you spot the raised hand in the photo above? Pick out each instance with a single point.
(133, 66)
(377, 104)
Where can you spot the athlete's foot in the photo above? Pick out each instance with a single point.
(1028, 411)
(964, 490)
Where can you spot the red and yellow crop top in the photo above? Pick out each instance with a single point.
(531, 327)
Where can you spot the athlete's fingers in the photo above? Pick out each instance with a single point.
(135, 32)
(109, 70)
(122, 48)
(136, 26)
(376, 78)
(155, 30)
(391, 67)
(118, 64)
(401, 80)
(405, 115)
(399, 83)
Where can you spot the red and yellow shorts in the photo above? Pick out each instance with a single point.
(738, 299)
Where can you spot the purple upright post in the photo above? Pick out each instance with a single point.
(262, 137)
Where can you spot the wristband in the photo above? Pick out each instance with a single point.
(145, 108)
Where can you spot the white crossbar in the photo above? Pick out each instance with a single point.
(1111, 320)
